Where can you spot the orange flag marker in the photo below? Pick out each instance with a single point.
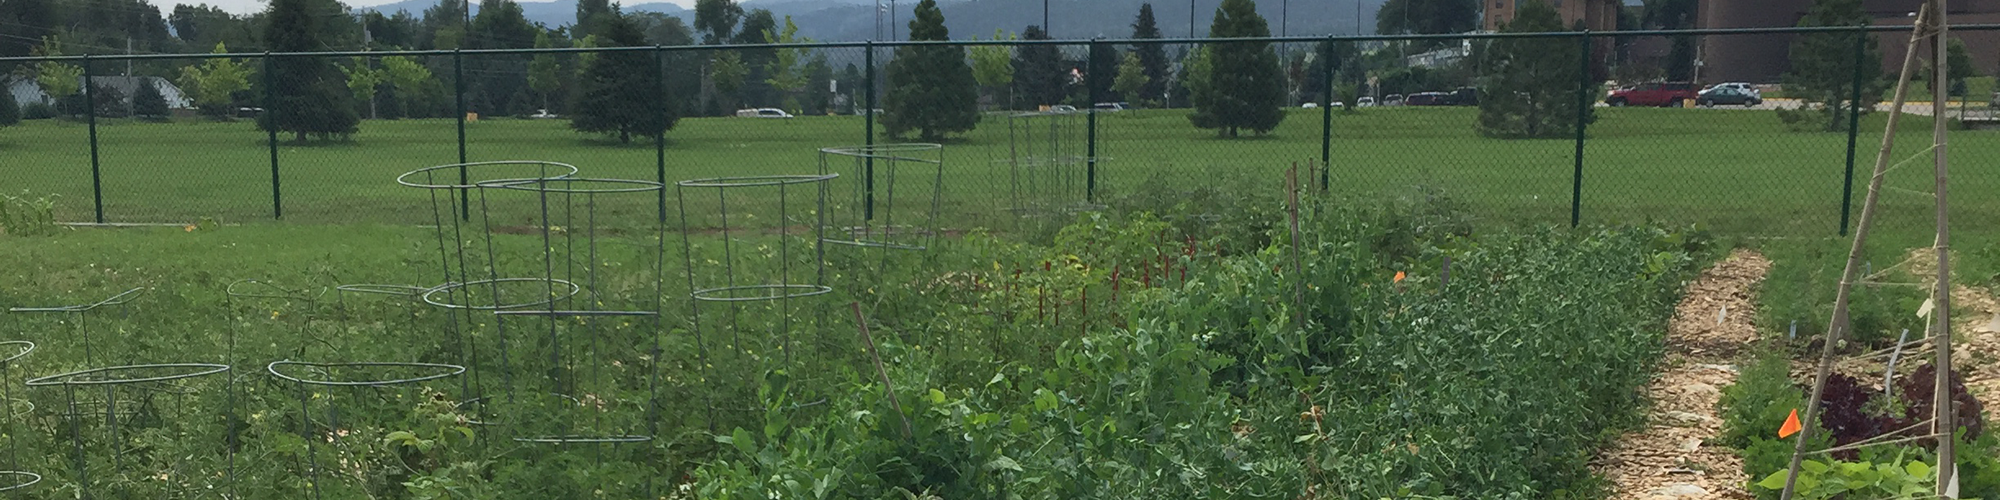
(1791, 426)
(1399, 277)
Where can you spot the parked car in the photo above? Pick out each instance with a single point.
(1670, 94)
(1425, 99)
(1463, 96)
(762, 113)
(1364, 102)
(1392, 100)
(1062, 108)
(1727, 96)
(543, 114)
(1309, 105)
(1113, 107)
(1741, 86)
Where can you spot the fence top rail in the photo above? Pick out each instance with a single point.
(1008, 43)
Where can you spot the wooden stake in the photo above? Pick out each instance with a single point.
(888, 388)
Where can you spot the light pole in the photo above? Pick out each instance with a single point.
(1285, 18)
(1045, 19)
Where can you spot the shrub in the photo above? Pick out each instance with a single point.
(10, 111)
(38, 111)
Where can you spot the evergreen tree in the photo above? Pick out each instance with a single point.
(621, 92)
(10, 111)
(1531, 91)
(590, 14)
(1152, 58)
(1428, 17)
(716, 19)
(1040, 77)
(23, 23)
(1674, 15)
(1102, 74)
(757, 29)
(1246, 89)
(147, 102)
(931, 89)
(1823, 70)
(310, 96)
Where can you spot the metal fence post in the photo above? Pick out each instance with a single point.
(1090, 166)
(1854, 127)
(660, 140)
(1326, 119)
(868, 188)
(1582, 120)
(270, 120)
(458, 92)
(90, 112)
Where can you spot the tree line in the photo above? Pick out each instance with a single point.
(1529, 85)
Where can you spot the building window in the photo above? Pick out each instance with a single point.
(1559, 4)
(1497, 4)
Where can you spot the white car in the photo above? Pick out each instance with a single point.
(1365, 102)
(762, 113)
(1739, 86)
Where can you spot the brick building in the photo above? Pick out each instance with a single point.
(1598, 15)
(1765, 58)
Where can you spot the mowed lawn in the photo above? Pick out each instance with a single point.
(1735, 170)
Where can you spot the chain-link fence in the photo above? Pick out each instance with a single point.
(1564, 127)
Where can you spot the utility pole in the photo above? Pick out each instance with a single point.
(892, 21)
(1285, 18)
(1045, 19)
(1190, 18)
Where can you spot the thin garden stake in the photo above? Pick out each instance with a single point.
(1298, 266)
(888, 388)
(1947, 467)
(1841, 297)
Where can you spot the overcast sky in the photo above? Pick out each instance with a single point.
(250, 6)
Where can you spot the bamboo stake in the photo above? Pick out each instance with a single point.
(1838, 324)
(1298, 265)
(1947, 468)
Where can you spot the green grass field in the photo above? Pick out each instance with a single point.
(1735, 170)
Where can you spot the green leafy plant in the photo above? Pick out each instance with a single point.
(1760, 400)
(27, 215)
(1894, 480)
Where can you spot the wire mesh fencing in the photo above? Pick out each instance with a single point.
(1561, 127)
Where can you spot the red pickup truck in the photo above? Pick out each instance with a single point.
(1670, 94)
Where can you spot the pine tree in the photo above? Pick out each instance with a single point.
(1823, 69)
(621, 90)
(1246, 87)
(310, 96)
(1040, 78)
(1531, 91)
(590, 14)
(1103, 66)
(147, 102)
(931, 89)
(10, 111)
(1152, 58)
(716, 19)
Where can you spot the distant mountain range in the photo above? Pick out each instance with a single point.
(856, 20)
